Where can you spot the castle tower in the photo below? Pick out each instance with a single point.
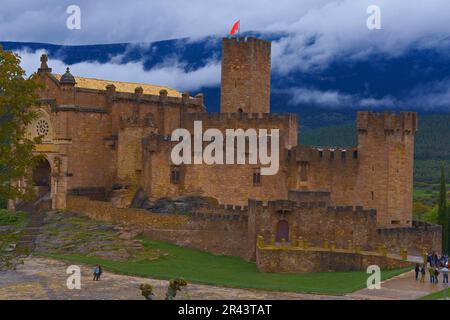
(386, 157)
(245, 75)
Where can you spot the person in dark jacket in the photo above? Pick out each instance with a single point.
(429, 259)
(436, 275)
(417, 270)
(97, 272)
(436, 260)
(422, 273)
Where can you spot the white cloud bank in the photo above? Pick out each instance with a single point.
(171, 72)
(338, 30)
(427, 96)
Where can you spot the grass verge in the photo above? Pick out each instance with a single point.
(205, 268)
(438, 295)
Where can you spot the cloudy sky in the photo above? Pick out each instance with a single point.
(317, 33)
(340, 22)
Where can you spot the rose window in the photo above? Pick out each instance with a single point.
(42, 127)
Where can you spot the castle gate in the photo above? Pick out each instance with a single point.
(282, 230)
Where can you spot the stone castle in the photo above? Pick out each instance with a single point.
(100, 136)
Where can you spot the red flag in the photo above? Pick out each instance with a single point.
(235, 27)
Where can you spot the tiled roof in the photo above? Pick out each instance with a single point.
(129, 87)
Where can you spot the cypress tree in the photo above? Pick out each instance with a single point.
(443, 217)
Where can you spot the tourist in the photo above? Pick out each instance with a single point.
(444, 271)
(429, 260)
(417, 270)
(435, 259)
(443, 260)
(431, 272)
(436, 275)
(422, 274)
(97, 272)
(100, 271)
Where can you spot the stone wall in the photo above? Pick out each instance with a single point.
(331, 169)
(417, 239)
(219, 230)
(142, 219)
(226, 183)
(321, 260)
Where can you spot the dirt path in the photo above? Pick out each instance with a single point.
(402, 287)
(40, 278)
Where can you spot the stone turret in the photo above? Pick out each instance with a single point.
(67, 79)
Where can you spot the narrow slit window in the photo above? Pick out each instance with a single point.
(257, 177)
(175, 175)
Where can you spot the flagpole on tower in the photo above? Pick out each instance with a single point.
(236, 29)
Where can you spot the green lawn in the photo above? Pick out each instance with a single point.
(201, 267)
(436, 295)
(11, 227)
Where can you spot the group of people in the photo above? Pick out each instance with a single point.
(435, 265)
(97, 272)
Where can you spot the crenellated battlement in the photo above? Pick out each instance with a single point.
(233, 208)
(236, 116)
(408, 230)
(185, 99)
(352, 210)
(246, 43)
(198, 215)
(223, 212)
(289, 205)
(326, 155)
(405, 122)
(222, 208)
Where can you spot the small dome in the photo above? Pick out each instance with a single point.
(67, 78)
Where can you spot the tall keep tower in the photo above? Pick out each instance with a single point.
(245, 75)
(386, 157)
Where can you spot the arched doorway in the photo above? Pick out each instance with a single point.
(42, 178)
(282, 230)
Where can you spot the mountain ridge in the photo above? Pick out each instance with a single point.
(377, 78)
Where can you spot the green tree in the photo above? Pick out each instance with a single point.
(442, 216)
(17, 94)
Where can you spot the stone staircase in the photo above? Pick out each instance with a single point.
(36, 215)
